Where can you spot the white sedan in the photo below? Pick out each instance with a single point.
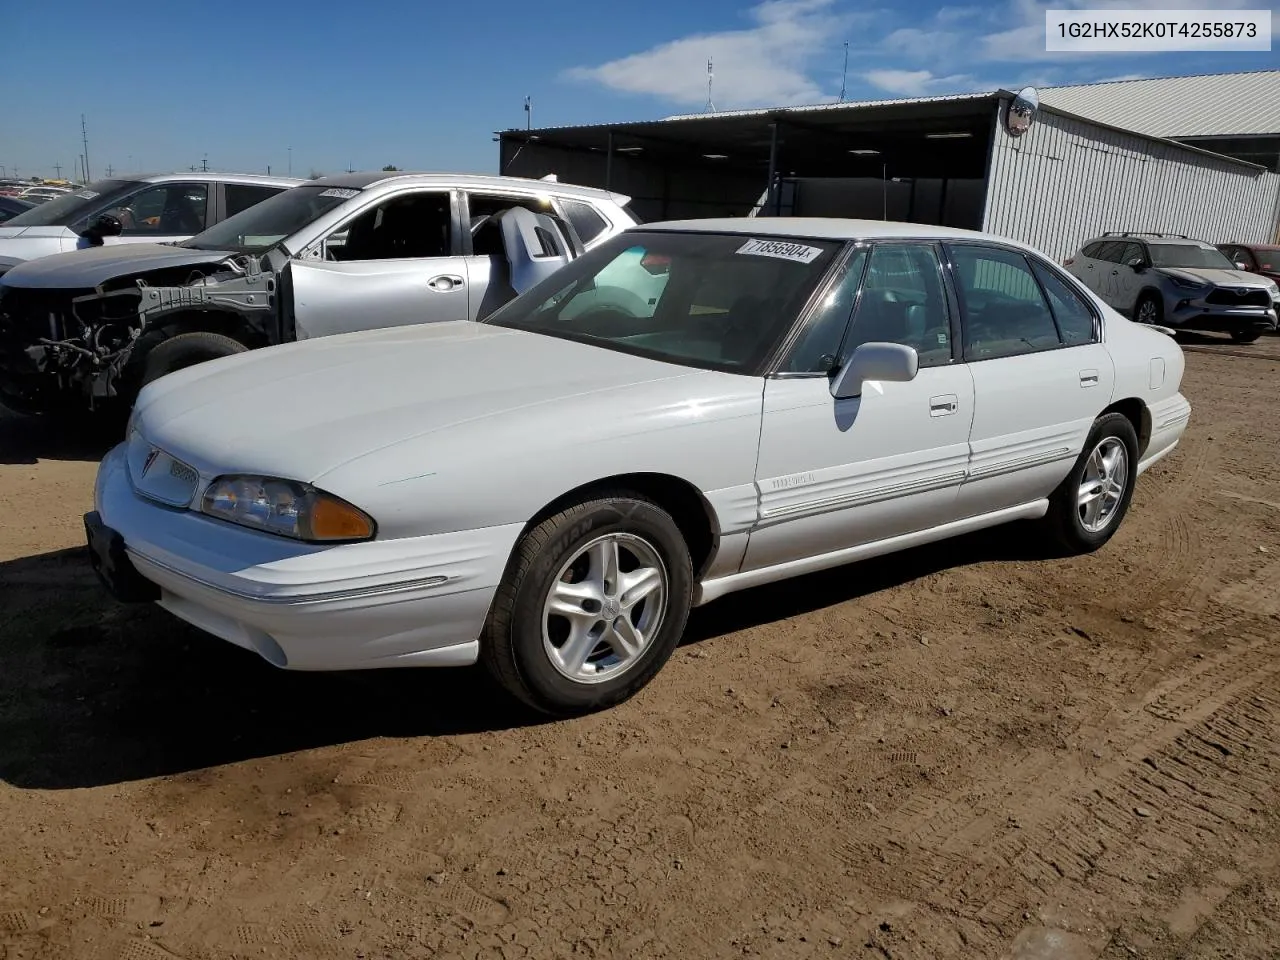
(691, 409)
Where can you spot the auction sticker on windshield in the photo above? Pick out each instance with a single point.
(799, 252)
(346, 193)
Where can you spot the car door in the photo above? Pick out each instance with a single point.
(484, 246)
(1092, 269)
(1040, 373)
(163, 212)
(833, 474)
(1126, 281)
(393, 262)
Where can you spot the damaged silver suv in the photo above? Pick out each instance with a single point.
(334, 255)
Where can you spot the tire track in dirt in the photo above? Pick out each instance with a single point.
(1187, 771)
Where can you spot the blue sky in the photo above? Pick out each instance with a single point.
(164, 84)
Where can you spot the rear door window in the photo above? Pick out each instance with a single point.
(242, 196)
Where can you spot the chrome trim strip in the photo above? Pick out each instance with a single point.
(1009, 466)
(333, 595)
(874, 495)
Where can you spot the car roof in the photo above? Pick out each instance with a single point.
(360, 181)
(824, 228)
(201, 176)
(1149, 238)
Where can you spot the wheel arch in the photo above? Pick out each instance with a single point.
(228, 323)
(1138, 414)
(690, 510)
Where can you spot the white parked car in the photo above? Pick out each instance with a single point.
(551, 490)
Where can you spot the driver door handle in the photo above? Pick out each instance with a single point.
(445, 282)
(943, 406)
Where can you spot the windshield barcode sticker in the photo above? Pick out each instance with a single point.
(87, 194)
(781, 249)
(346, 193)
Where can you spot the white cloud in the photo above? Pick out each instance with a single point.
(765, 65)
(790, 53)
(922, 83)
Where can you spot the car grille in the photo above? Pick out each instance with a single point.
(158, 475)
(1239, 297)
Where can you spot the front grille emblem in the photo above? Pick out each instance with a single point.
(152, 454)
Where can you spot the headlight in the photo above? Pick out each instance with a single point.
(287, 508)
(1185, 284)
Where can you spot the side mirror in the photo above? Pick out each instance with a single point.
(1137, 264)
(104, 225)
(875, 361)
(1241, 266)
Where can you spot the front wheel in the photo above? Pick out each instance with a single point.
(1149, 309)
(1088, 506)
(186, 350)
(591, 606)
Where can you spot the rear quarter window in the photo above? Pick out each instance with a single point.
(585, 219)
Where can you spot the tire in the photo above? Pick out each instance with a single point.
(1066, 516)
(1245, 336)
(1153, 304)
(186, 350)
(531, 652)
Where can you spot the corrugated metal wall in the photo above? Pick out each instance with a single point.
(1067, 180)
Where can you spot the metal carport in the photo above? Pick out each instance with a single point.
(939, 160)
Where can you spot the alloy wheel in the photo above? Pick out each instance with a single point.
(1103, 484)
(604, 608)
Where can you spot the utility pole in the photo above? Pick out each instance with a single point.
(57, 168)
(84, 175)
(110, 169)
(291, 161)
(204, 164)
(711, 107)
(528, 113)
(845, 76)
(84, 138)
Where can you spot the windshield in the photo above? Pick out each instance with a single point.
(67, 208)
(1195, 256)
(265, 224)
(714, 301)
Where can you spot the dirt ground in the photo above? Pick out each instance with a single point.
(966, 750)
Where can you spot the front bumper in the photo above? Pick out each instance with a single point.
(1198, 315)
(418, 601)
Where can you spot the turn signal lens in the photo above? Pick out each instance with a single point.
(332, 519)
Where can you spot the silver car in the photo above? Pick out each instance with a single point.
(334, 255)
(164, 207)
(1174, 281)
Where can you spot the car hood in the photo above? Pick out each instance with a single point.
(10, 233)
(80, 269)
(1220, 278)
(301, 409)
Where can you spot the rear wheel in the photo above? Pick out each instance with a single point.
(1088, 506)
(1149, 309)
(1245, 336)
(591, 606)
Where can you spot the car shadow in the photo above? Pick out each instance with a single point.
(29, 439)
(95, 693)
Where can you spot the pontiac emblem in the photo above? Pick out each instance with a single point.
(151, 459)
